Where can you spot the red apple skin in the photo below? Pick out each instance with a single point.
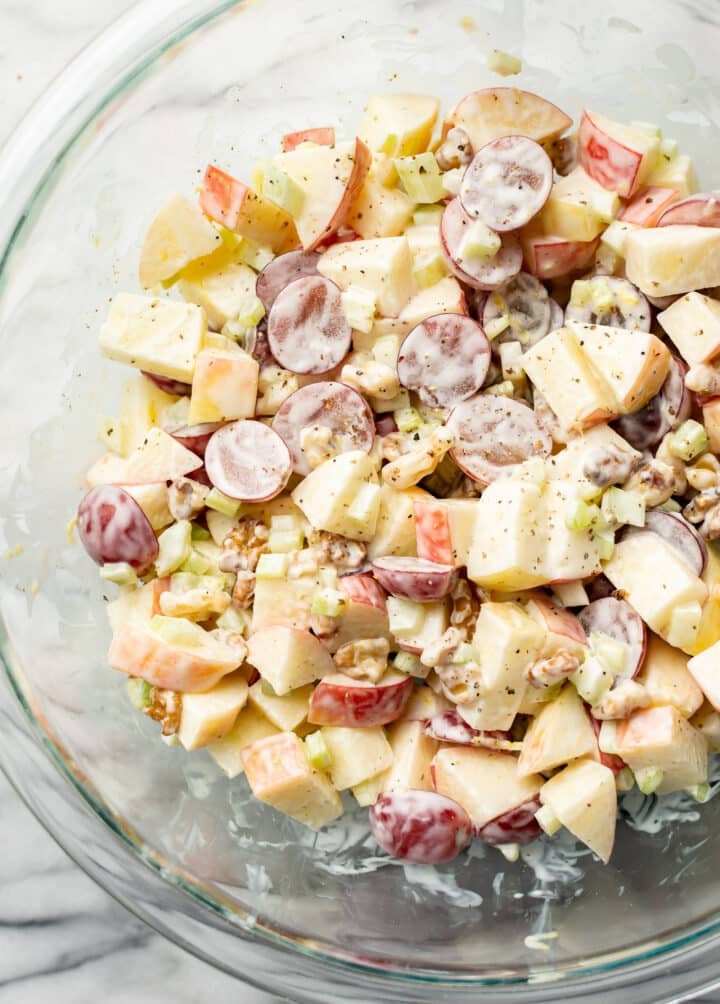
(362, 159)
(610, 163)
(610, 760)
(432, 532)
(363, 588)
(560, 621)
(549, 257)
(323, 136)
(222, 196)
(646, 208)
(701, 210)
(340, 700)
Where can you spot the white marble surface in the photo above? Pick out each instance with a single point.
(62, 939)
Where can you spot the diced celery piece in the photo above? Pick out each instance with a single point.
(464, 653)
(177, 631)
(479, 241)
(408, 419)
(700, 792)
(405, 616)
(365, 504)
(605, 544)
(511, 355)
(139, 692)
(497, 326)
(581, 516)
(623, 507)
(426, 216)
(282, 190)
(267, 688)
(111, 433)
(359, 305)
(221, 503)
(196, 563)
(174, 544)
(684, 625)
(408, 662)
(317, 752)
(328, 603)
(429, 268)
(272, 566)
(671, 506)
(648, 779)
(548, 821)
(452, 180)
(397, 403)
(625, 780)
(285, 541)
(233, 619)
(254, 255)
(420, 177)
(199, 532)
(503, 63)
(389, 145)
(119, 572)
(612, 653)
(571, 594)
(689, 440)
(251, 312)
(592, 680)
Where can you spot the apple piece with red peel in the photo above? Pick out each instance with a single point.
(549, 257)
(649, 205)
(444, 529)
(615, 763)
(138, 651)
(701, 210)
(420, 826)
(320, 135)
(449, 727)
(663, 739)
(488, 114)
(414, 578)
(561, 732)
(365, 612)
(330, 178)
(484, 782)
(518, 826)
(355, 704)
(564, 630)
(236, 206)
(618, 157)
(288, 658)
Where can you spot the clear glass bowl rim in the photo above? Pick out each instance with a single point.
(114, 60)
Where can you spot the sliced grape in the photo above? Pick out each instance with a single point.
(701, 210)
(517, 826)
(307, 328)
(444, 359)
(283, 270)
(507, 182)
(480, 273)
(334, 409)
(414, 578)
(174, 387)
(524, 301)
(248, 461)
(617, 619)
(606, 299)
(494, 434)
(420, 826)
(113, 528)
(666, 411)
(194, 437)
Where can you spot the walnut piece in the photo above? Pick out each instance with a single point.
(703, 379)
(412, 467)
(197, 604)
(366, 659)
(367, 375)
(465, 607)
(244, 590)
(548, 672)
(656, 481)
(620, 702)
(332, 549)
(186, 498)
(165, 707)
(610, 465)
(455, 150)
(459, 682)
(243, 545)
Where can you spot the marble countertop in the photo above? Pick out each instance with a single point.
(62, 939)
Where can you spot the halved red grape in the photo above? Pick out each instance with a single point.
(420, 826)
(617, 619)
(414, 578)
(113, 528)
(518, 826)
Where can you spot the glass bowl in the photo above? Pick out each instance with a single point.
(317, 917)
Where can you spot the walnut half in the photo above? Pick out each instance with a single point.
(366, 659)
